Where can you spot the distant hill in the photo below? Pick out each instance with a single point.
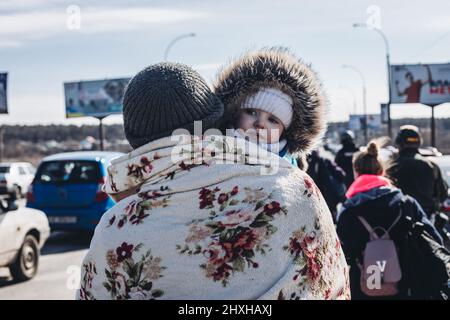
(31, 143)
(424, 124)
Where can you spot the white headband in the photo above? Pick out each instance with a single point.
(272, 101)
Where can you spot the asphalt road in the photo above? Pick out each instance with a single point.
(58, 274)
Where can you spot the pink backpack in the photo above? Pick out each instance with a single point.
(380, 271)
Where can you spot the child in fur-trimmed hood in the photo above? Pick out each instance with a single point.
(275, 99)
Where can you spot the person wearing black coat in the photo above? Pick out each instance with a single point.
(329, 178)
(345, 155)
(373, 197)
(415, 175)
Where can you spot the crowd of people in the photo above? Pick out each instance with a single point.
(194, 223)
(375, 194)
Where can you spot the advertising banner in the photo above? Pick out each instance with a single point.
(420, 83)
(98, 98)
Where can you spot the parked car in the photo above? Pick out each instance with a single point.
(444, 163)
(430, 152)
(68, 188)
(23, 232)
(16, 177)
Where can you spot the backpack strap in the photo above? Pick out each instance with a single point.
(396, 220)
(368, 227)
(373, 234)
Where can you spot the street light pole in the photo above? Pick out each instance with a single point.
(166, 52)
(388, 63)
(364, 98)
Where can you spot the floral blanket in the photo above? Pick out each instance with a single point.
(191, 225)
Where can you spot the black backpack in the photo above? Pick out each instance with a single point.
(426, 264)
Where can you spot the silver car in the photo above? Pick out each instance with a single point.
(16, 177)
(23, 232)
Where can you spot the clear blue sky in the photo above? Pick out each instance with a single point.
(118, 38)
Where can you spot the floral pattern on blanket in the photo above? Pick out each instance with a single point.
(86, 283)
(237, 229)
(137, 210)
(313, 257)
(129, 276)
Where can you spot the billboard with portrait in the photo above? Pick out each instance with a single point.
(98, 98)
(420, 83)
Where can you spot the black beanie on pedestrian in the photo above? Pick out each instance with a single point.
(165, 97)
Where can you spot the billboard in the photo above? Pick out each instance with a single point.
(420, 83)
(98, 98)
(3, 100)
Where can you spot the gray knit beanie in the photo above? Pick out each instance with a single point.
(164, 97)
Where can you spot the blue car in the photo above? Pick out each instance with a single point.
(68, 188)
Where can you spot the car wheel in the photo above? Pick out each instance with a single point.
(26, 264)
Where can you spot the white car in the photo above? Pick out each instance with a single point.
(23, 232)
(16, 177)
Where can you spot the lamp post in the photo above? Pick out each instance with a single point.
(169, 46)
(363, 95)
(388, 64)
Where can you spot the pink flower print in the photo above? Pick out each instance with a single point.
(272, 208)
(222, 198)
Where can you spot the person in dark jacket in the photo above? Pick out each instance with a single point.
(374, 198)
(345, 155)
(329, 178)
(415, 175)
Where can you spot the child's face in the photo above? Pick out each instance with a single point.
(260, 125)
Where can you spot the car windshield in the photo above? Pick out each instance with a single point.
(68, 172)
(4, 169)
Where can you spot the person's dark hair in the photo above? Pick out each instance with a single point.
(368, 161)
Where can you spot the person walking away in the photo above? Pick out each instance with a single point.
(345, 155)
(329, 177)
(416, 175)
(372, 227)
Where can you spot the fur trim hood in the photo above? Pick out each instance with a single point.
(279, 69)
